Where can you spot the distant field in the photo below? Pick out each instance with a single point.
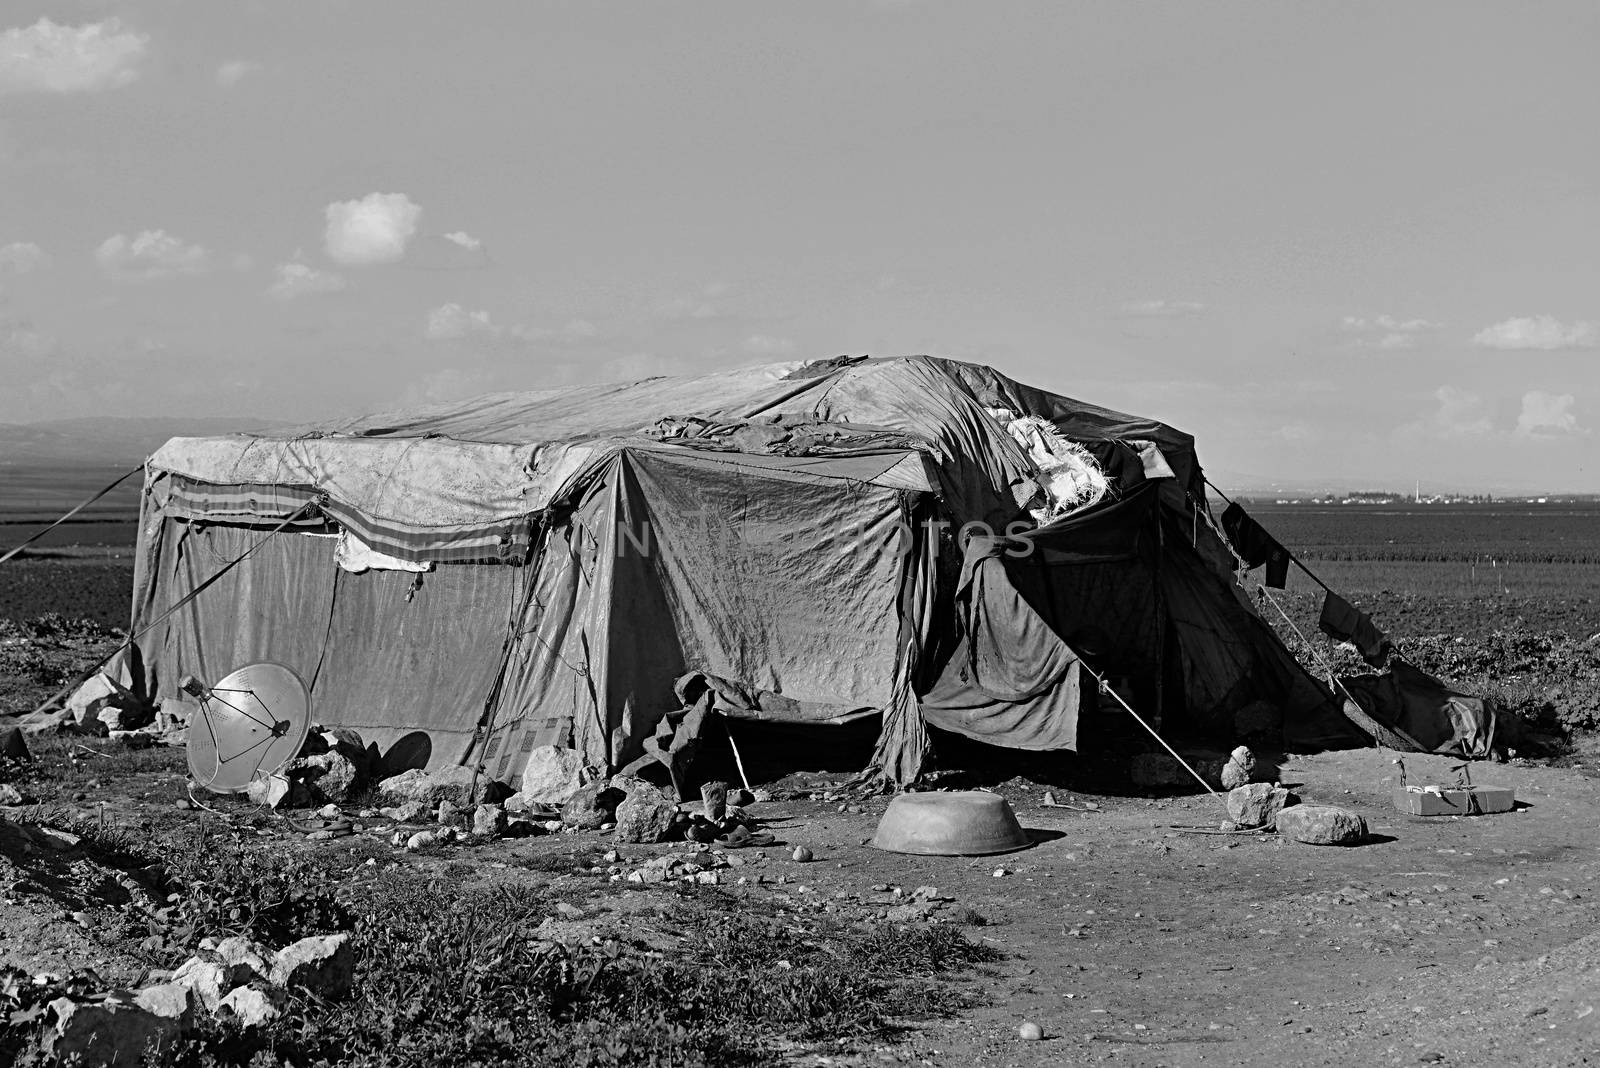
(1437, 533)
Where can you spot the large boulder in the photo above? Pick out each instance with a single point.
(238, 952)
(1257, 804)
(116, 1029)
(593, 806)
(552, 775)
(646, 814)
(452, 783)
(322, 964)
(209, 980)
(1322, 825)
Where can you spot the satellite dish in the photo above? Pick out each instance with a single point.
(250, 724)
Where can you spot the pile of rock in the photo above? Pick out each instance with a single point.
(235, 977)
(1266, 806)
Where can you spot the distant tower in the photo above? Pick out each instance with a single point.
(1416, 495)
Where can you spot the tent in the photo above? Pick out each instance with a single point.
(915, 539)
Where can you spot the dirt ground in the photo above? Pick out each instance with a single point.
(1127, 938)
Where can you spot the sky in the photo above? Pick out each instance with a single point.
(1343, 242)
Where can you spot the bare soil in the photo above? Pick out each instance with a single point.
(1128, 936)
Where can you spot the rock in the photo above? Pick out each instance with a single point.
(1257, 804)
(552, 775)
(1321, 825)
(9, 795)
(13, 746)
(421, 840)
(1239, 768)
(130, 716)
(1030, 1031)
(646, 814)
(591, 805)
(208, 979)
(269, 791)
(250, 1005)
(58, 721)
(322, 964)
(408, 812)
(328, 777)
(450, 814)
(173, 714)
(237, 952)
(489, 821)
(117, 1029)
(329, 812)
(911, 911)
(801, 855)
(451, 783)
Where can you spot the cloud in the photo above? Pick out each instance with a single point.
(1160, 309)
(1461, 414)
(301, 280)
(1541, 332)
(465, 240)
(49, 58)
(152, 254)
(1386, 332)
(452, 322)
(374, 229)
(235, 71)
(1547, 415)
(20, 257)
(447, 384)
(767, 345)
(22, 344)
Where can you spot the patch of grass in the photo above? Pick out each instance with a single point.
(459, 978)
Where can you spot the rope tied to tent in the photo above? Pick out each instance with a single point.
(1105, 688)
(305, 510)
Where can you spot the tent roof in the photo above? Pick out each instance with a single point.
(503, 454)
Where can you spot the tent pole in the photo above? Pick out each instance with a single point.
(737, 761)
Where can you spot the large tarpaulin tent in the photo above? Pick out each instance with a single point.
(523, 569)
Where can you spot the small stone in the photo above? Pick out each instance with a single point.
(422, 840)
(329, 811)
(489, 821)
(450, 814)
(802, 855)
(407, 812)
(1030, 1031)
(591, 806)
(452, 783)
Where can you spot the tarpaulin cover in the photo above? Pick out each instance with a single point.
(1419, 713)
(595, 543)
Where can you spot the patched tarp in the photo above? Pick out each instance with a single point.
(1412, 711)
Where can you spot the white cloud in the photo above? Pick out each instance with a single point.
(1541, 332)
(49, 58)
(20, 257)
(575, 330)
(151, 254)
(465, 240)
(1461, 414)
(1547, 414)
(235, 71)
(1386, 332)
(22, 344)
(1160, 309)
(767, 345)
(452, 322)
(302, 279)
(374, 229)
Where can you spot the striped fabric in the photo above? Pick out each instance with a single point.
(506, 541)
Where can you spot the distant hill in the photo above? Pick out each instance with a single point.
(106, 440)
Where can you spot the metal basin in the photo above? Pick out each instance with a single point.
(967, 824)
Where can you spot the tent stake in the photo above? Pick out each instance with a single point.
(727, 729)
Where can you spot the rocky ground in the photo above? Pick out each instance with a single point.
(1126, 933)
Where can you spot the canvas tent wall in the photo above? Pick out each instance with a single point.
(549, 562)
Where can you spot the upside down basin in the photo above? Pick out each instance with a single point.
(963, 824)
